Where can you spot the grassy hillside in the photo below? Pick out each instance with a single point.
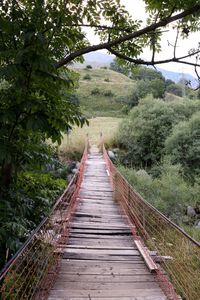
(110, 87)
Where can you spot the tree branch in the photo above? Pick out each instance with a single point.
(106, 45)
(176, 41)
(102, 27)
(152, 63)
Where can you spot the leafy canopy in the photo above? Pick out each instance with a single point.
(148, 125)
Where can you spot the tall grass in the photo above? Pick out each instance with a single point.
(73, 144)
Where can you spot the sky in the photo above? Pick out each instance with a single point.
(137, 9)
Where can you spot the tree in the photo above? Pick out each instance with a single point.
(175, 89)
(144, 73)
(148, 125)
(38, 38)
(184, 145)
(142, 88)
(118, 66)
(126, 38)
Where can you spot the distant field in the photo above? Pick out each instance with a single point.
(105, 80)
(73, 144)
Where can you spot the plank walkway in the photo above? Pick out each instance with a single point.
(101, 260)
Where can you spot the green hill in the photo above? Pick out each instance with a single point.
(102, 92)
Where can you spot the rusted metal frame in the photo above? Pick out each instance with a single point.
(148, 260)
(31, 270)
(166, 281)
(13, 261)
(159, 217)
(48, 280)
(9, 264)
(22, 261)
(36, 281)
(138, 241)
(170, 290)
(70, 214)
(152, 208)
(24, 269)
(126, 203)
(34, 234)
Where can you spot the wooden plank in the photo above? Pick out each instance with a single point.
(143, 278)
(101, 232)
(102, 251)
(99, 219)
(94, 215)
(82, 286)
(93, 205)
(101, 257)
(110, 298)
(99, 225)
(101, 242)
(105, 201)
(103, 267)
(105, 292)
(99, 236)
(103, 247)
(102, 226)
(98, 184)
(147, 258)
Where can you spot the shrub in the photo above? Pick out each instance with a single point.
(87, 77)
(144, 132)
(184, 145)
(95, 91)
(107, 79)
(175, 89)
(170, 192)
(88, 67)
(108, 93)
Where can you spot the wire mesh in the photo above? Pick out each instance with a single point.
(32, 271)
(163, 236)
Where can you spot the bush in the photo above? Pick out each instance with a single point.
(170, 192)
(43, 189)
(175, 89)
(88, 67)
(95, 91)
(144, 132)
(107, 79)
(23, 206)
(87, 77)
(184, 145)
(108, 93)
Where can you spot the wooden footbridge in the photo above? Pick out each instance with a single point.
(103, 241)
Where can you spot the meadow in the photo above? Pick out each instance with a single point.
(73, 144)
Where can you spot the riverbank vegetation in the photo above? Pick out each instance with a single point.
(160, 156)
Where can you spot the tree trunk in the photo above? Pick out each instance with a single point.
(7, 174)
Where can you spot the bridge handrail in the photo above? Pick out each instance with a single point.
(162, 236)
(30, 273)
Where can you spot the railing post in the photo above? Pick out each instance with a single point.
(101, 141)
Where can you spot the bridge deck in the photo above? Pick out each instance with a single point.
(101, 260)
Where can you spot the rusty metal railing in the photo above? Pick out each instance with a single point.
(163, 237)
(32, 270)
